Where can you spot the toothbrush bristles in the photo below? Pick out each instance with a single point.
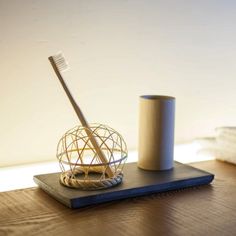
(60, 61)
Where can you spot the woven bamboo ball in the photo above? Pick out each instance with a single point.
(80, 164)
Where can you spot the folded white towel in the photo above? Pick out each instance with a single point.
(222, 146)
(226, 144)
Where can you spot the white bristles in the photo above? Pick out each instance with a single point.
(60, 62)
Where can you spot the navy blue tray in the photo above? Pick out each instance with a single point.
(136, 182)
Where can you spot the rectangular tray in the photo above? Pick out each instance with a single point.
(136, 182)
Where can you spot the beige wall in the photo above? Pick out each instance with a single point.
(117, 51)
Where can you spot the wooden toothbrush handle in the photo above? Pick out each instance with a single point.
(82, 119)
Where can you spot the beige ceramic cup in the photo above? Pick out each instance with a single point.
(156, 132)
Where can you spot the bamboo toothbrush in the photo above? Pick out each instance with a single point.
(59, 65)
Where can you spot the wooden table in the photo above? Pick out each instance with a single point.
(205, 210)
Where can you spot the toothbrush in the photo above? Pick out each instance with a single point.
(59, 65)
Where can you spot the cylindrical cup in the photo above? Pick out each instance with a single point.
(156, 132)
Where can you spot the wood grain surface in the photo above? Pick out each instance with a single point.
(206, 210)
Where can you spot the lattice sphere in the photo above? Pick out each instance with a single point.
(80, 164)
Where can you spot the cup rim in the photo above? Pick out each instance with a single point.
(157, 97)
